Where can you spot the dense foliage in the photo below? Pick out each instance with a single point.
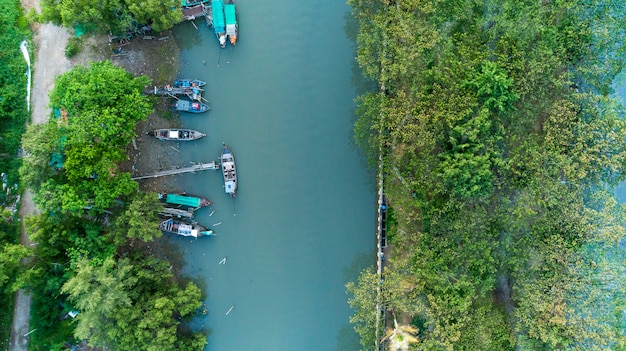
(500, 141)
(117, 16)
(13, 114)
(91, 256)
(98, 108)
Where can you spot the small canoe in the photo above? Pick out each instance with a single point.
(189, 83)
(182, 228)
(177, 134)
(229, 171)
(191, 106)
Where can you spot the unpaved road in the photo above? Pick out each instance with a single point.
(50, 42)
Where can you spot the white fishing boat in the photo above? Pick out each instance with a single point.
(178, 227)
(177, 134)
(229, 171)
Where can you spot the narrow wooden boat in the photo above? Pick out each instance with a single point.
(184, 200)
(176, 134)
(232, 28)
(191, 106)
(229, 171)
(182, 228)
(219, 21)
(189, 83)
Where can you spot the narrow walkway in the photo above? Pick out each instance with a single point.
(194, 168)
(381, 238)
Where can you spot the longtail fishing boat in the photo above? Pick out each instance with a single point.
(219, 22)
(229, 171)
(191, 106)
(184, 200)
(189, 83)
(182, 228)
(232, 28)
(176, 134)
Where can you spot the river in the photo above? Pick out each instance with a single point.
(303, 222)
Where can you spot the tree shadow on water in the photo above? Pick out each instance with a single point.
(347, 339)
(361, 261)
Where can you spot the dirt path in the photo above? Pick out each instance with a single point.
(50, 42)
(49, 62)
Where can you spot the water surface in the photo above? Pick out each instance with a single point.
(303, 222)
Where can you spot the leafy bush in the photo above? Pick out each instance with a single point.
(73, 47)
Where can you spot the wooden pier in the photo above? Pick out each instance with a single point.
(194, 93)
(211, 166)
(175, 212)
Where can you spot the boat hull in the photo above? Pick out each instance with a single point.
(189, 83)
(191, 106)
(184, 200)
(177, 134)
(229, 171)
(182, 228)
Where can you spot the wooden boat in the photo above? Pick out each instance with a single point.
(189, 83)
(232, 28)
(184, 200)
(229, 171)
(219, 21)
(177, 134)
(182, 228)
(191, 106)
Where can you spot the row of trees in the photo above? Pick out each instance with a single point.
(13, 116)
(501, 146)
(93, 253)
(118, 16)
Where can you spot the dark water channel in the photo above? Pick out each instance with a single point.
(303, 222)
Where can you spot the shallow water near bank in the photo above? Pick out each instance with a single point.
(303, 222)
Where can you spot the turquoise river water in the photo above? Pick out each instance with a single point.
(303, 222)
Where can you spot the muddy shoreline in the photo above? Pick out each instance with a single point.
(158, 59)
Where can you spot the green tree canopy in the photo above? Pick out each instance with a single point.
(117, 16)
(133, 304)
(499, 137)
(99, 107)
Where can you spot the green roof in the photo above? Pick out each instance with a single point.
(231, 15)
(218, 15)
(176, 199)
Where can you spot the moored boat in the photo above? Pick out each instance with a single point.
(182, 228)
(191, 106)
(219, 22)
(176, 134)
(229, 171)
(232, 28)
(189, 83)
(188, 201)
